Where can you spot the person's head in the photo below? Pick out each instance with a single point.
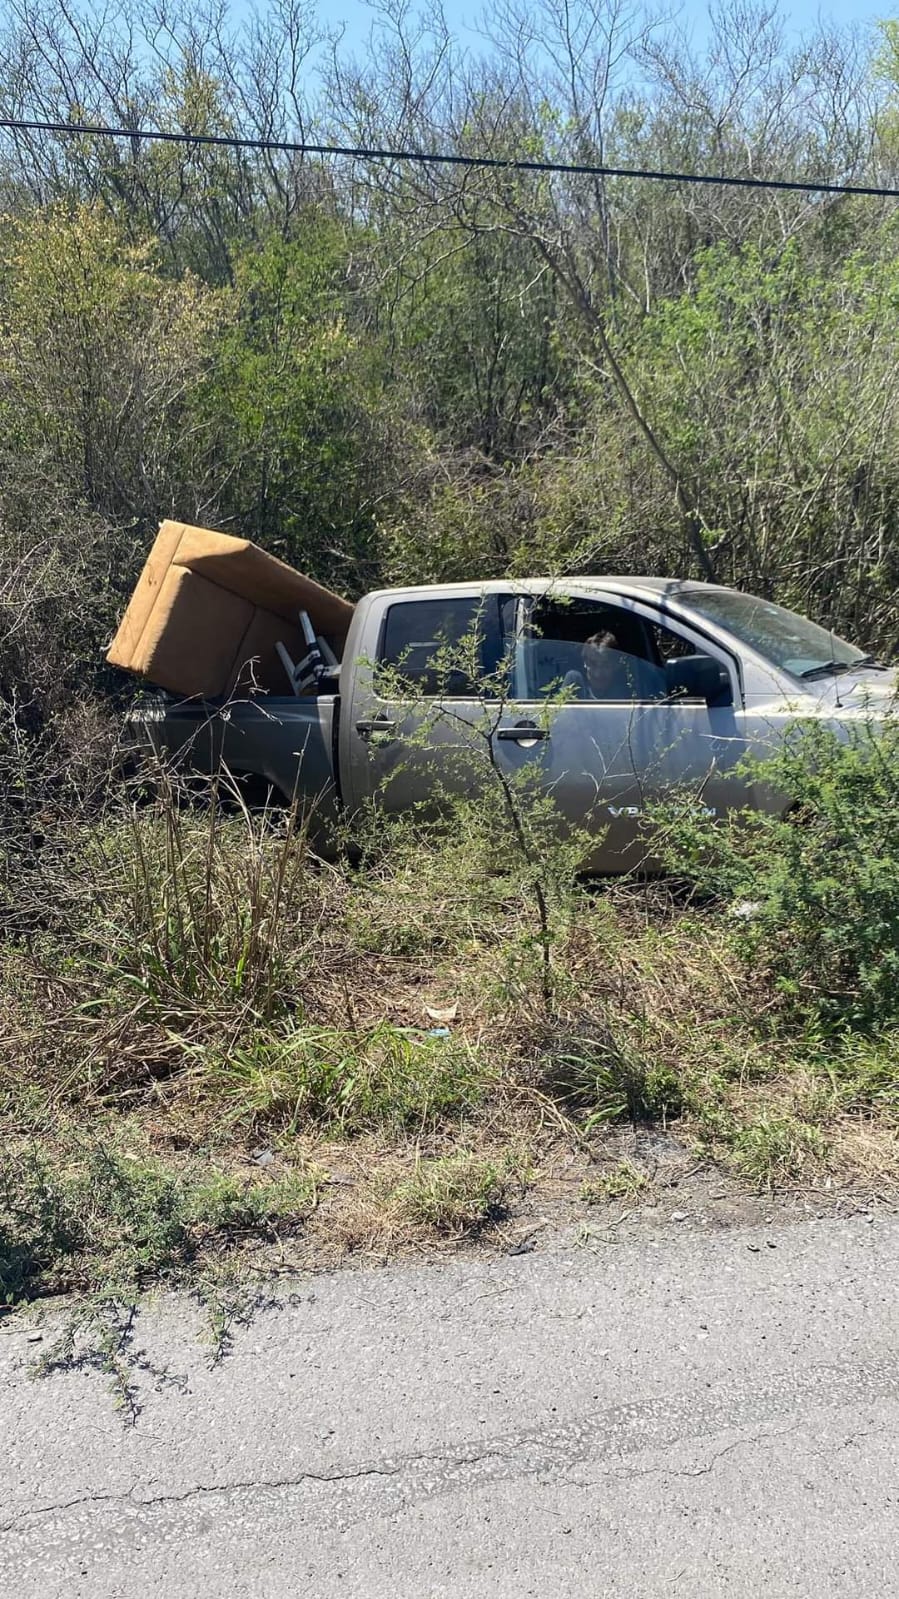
(602, 661)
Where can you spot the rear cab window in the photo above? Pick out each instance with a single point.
(449, 648)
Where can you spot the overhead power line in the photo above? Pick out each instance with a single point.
(430, 158)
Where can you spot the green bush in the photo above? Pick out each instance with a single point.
(814, 894)
(107, 1220)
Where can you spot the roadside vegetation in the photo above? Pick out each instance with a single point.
(212, 1043)
(210, 1039)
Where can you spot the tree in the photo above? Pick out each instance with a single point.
(296, 403)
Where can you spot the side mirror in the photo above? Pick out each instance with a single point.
(699, 677)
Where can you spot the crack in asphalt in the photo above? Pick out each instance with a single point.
(750, 1440)
(199, 1490)
(635, 1427)
(60, 1508)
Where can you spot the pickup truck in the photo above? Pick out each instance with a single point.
(615, 692)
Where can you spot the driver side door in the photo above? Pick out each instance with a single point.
(606, 761)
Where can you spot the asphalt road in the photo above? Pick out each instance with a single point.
(681, 1413)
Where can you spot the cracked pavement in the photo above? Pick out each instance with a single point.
(681, 1412)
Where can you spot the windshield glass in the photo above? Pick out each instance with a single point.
(789, 641)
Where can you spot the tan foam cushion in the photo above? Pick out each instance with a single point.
(245, 569)
(206, 604)
(144, 597)
(192, 635)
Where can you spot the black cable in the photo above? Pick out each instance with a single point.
(572, 168)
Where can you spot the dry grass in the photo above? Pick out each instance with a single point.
(362, 1058)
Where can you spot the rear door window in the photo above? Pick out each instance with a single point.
(451, 648)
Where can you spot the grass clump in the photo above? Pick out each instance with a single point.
(862, 1075)
(599, 1069)
(775, 1150)
(202, 910)
(457, 1194)
(624, 1181)
(345, 1080)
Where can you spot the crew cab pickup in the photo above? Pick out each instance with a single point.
(615, 691)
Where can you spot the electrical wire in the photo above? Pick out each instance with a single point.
(429, 158)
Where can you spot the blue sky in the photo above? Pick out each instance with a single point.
(804, 13)
(462, 15)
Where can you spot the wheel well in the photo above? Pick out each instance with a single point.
(258, 792)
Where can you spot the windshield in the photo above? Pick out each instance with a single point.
(789, 641)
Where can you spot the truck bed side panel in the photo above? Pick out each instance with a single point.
(289, 743)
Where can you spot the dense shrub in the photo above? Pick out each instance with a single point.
(815, 893)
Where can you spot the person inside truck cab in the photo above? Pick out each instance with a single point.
(588, 652)
(604, 665)
(612, 673)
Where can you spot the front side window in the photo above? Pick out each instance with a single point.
(586, 650)
(452, 648)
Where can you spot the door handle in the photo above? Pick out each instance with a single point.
(523, 733)
(375, 724)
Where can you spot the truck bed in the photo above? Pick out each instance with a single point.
(289, 742)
